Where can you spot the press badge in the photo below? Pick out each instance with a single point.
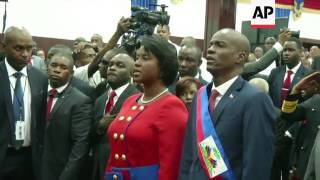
(20, 130)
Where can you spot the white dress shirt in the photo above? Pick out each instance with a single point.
(26, 98)
(222, 89)
(118, 92)
(59, 90)
(82, 74)
(294, 70)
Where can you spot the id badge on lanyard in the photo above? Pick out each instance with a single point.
(20, 129)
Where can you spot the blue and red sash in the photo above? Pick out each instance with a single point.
(204, 129)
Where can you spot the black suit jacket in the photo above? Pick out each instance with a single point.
(172, 86)
(38, 86)
(100, 143)
(67, 136)
(276, 79)
(308, 114)
(83, 87)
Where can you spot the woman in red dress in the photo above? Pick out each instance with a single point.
(147, 135)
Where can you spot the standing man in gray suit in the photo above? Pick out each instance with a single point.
(67, 122)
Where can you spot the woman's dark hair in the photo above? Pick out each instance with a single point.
(166, 55)
(184, 83)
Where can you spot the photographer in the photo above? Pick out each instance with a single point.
(89, 72)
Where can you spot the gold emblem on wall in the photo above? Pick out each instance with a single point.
(176, 1)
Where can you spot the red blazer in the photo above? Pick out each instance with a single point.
(149, 134)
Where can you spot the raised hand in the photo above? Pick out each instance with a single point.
(308, 85)
(123, 25)
(284, 35)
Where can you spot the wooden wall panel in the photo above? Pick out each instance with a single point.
(219, 14)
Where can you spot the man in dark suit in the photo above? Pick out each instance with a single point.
(75, 82)
(189, 59)
(241, 118)
(22, 101)
(282, 79)
(102, 87)
(279, 75)
(118, 73)
(308, 113)
(68, 121)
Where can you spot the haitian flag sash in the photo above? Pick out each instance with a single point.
(210, 151)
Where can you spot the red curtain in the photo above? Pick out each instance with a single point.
(311, 4)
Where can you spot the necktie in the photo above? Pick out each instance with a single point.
(212, 100)
(286, 85)
(110, 102)
(52, 94)
(18, 107)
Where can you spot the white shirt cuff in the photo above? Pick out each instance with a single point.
(278, 47)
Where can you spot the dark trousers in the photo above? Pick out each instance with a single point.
(17, 165)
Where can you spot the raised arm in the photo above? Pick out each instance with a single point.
(123, 26)
(253, 68)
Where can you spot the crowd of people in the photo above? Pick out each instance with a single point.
(97, 112)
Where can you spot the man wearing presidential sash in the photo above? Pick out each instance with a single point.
(230, 132)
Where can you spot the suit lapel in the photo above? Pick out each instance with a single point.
(228, 97)
(102, 103)
(280, 79)
(62, 98)
(127, 92)
(7, 92)
(300, 74)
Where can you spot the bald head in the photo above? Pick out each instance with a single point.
(13, 32)
(237, 40)
(17, 43)
(260, 84)
(119, 70)
(126, 59)
(227, 53)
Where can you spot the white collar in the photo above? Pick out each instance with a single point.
(59, 89)
(120, 89)
(223, 88)
(294, 69)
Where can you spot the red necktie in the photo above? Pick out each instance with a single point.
(286, 85)
(30, 61)
(212, 100)
(110, 102)
(52, 94)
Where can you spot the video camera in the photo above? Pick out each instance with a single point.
(143, 22)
